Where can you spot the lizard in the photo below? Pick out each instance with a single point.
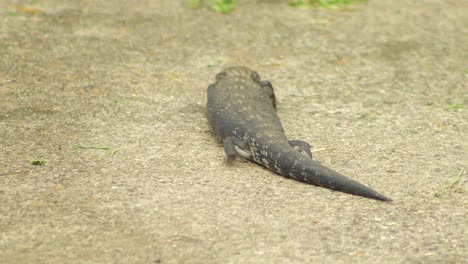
(241, 110)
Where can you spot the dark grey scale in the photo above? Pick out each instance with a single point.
(241, 111)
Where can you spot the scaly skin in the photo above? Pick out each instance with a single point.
(241, 111)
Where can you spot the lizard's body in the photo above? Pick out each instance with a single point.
(241, 111)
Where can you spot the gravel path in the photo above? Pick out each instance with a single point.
(112, 97)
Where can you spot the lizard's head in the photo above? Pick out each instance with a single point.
(238, 71)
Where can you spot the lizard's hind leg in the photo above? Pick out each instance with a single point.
(236, 147)
(302, 147)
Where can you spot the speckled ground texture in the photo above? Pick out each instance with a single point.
(376, 88)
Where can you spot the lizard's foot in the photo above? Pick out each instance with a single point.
(302, 147)
(269, 90)
(236, 147)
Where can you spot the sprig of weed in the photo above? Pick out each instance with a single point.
(220, 6)
(112, 150)
(37, 162)
(195, 3)
(225, 6)
(119, 102)
(93, 147)
(452, 186)
(322, 3)
(454, 107)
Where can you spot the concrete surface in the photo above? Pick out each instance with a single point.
(375, 88)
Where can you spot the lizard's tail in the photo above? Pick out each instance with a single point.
(316, 173)
(296, 166)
